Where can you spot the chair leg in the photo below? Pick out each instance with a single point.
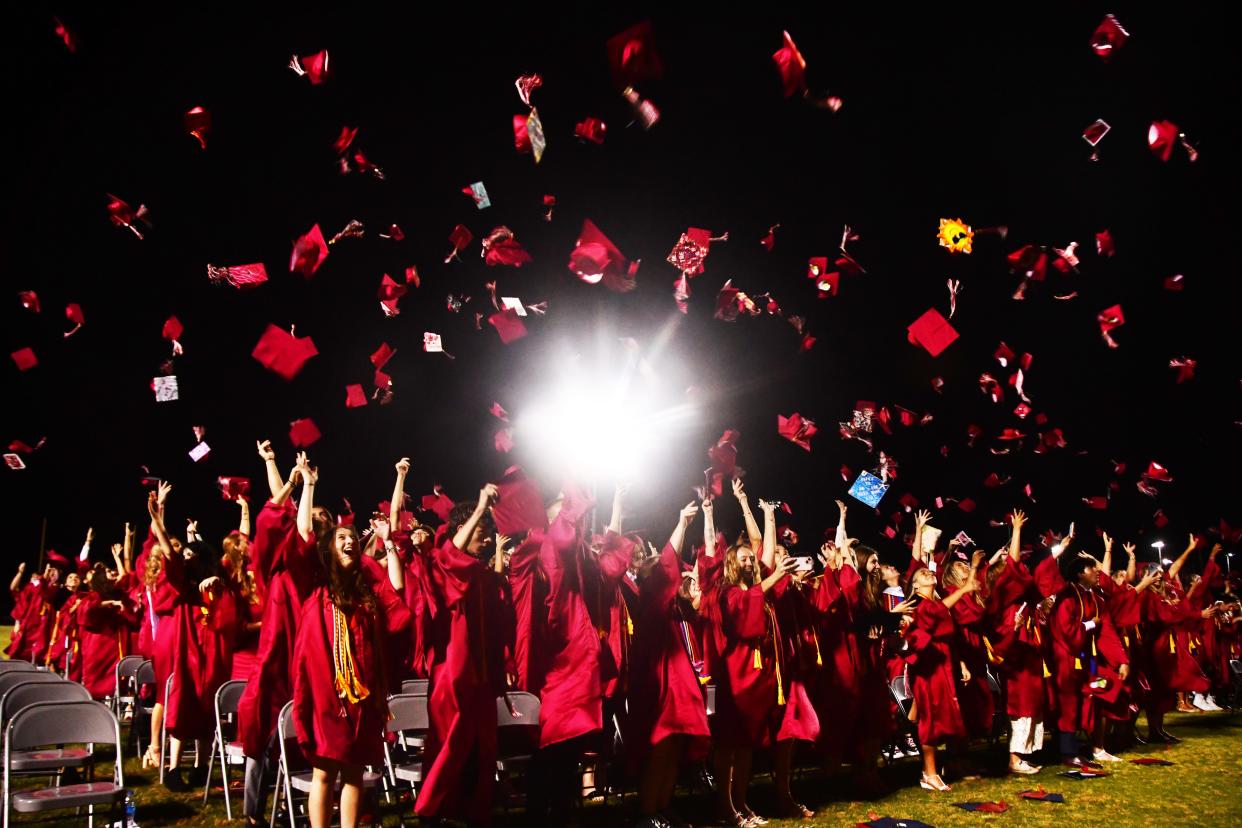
(280, 773)
(293, 817)
(224, 773)
(211, 758)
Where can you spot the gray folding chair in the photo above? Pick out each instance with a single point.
(293, 772)
(29, 692)
(15, 677)
(222, 746)
(62, 723)
(7, 665)
(144, 676)
(415, 687)
(126, 688)
(517, 720)
(409, 722)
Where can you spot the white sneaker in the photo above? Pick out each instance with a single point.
(1101, 755)
(1198, 701)
(1024, 767)
(1212, 705)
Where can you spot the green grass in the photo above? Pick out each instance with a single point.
(1200, 789)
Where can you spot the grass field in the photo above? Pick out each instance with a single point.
(1203, 787)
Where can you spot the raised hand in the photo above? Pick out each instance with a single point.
(903, 608)
(977, 558)
(1216, 547)
(191, 526)
(688, 513)
(841, 507)
(304, 470)
(266, 453)
(90, 535)
(162, 492)
(1193, 542)
(921, 518)
(381, 528)
(403, 466)
(707, 507)
(1129, 548)
(1108, 542)
(768, 508)
(1017, 518)
(738, 491)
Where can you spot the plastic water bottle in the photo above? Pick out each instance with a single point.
(131, 808)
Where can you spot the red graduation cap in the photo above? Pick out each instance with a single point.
(1108, 37)
(498, 411)
(172, 329)
(632, 55)
(382, 354)
(1104, 244)
(314, 67)
(304, 432)
(1175, 283)
(1110, 318)
(519, 505)
(197, 122)
(791, 65)
(1096, 502)
(591, 129)
(242, 277)
(438, 503)
(309, 251)
(390, 293)
(231, 487)
(1155, 471)
(29, 300)
(460, 238)
(596, 259)
(283, 353)
(501, 248)
(56, 559)
(796, 429)
(73, 312)
(355, 397)
(1161, 136)
(503, 440)
(521, 136)
(25, 359)
(1185, 368)
(932, 331)
(508, 325)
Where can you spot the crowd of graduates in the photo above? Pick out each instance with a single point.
(646, 657)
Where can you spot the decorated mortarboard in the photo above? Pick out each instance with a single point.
(242, 277)
(955, 235)
(1095, 131)
(199, 452)
(1108, 37)
(691, 250)
(508, 325)
(983, 807)
(308, 254)
(932, 332)
(500, 247)
(791, 66)
(304, 432)
(390, 293)
(1080, 774)
(869, 489)
(1150, 760)
(14, 461)
(165, 388)
(478, 193)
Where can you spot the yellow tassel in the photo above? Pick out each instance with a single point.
(780, 694)
(992, 656)
(1047, 672)
(1077, 663)
(819, 657)
(705, 679)
(1172, 644)
(758, 660)
(1093, 651)
(629, 623)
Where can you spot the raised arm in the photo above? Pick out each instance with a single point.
(709, 529)
(155, 508)
(243, 525)
(921, 519)
(396, 572)
(1132, 566)
(486, 495)
(398, 493)
(1106, 565)
(274, 481)
(842, 538)
(127, 549)
(769, 533)
(752, 528)
(86, 545)
(618, 508)
(1181, 559)
(971, 584)
(15, 585)
(678, 539)
(1015, 538)
(306, 522)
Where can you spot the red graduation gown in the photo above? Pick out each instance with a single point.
(286, 568)
(571, 701)
(35, 614)
(933, 674)
(666, 697)
(104, 632)
(64, 639)
(331, 728)
(974, 697)
(1074, 648)
(836, 690)
(746, 674)
(604, 578)
(800, 659)
(528, 597)
(469, 636)
(1171, 667)
(1020, 650)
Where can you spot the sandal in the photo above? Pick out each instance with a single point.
(152, 758)
(796, 810)
(933, 783)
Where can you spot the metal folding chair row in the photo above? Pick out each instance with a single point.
(62, 723)
(223, 744)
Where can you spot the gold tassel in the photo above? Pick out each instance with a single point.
(1093, 651)
(1126, 639)
(348, 685)
(992, 656)
(758, 660)
(819, 657)
(629, 623)
(1077, 663)
(1172, 645)
(1047, 672)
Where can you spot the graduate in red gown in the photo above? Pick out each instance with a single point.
(350, 653)
(934, 670)
(974, 696)
(105, 617)
(63, 649)
(1124, 602)
(468, 641)
(1088, 659)
(239, 579)
(668, 714)
(1017, 646)
(34, 611)
(195, 637)
(285, 570)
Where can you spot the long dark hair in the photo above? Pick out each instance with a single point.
(872, 582)
(347, 588)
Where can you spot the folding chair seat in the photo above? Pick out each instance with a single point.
(223, 748)
(62, 723)
(25, 694)
(409, 722)
(415, 687)
(126, 688)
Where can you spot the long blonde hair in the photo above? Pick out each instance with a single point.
(733, 568)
